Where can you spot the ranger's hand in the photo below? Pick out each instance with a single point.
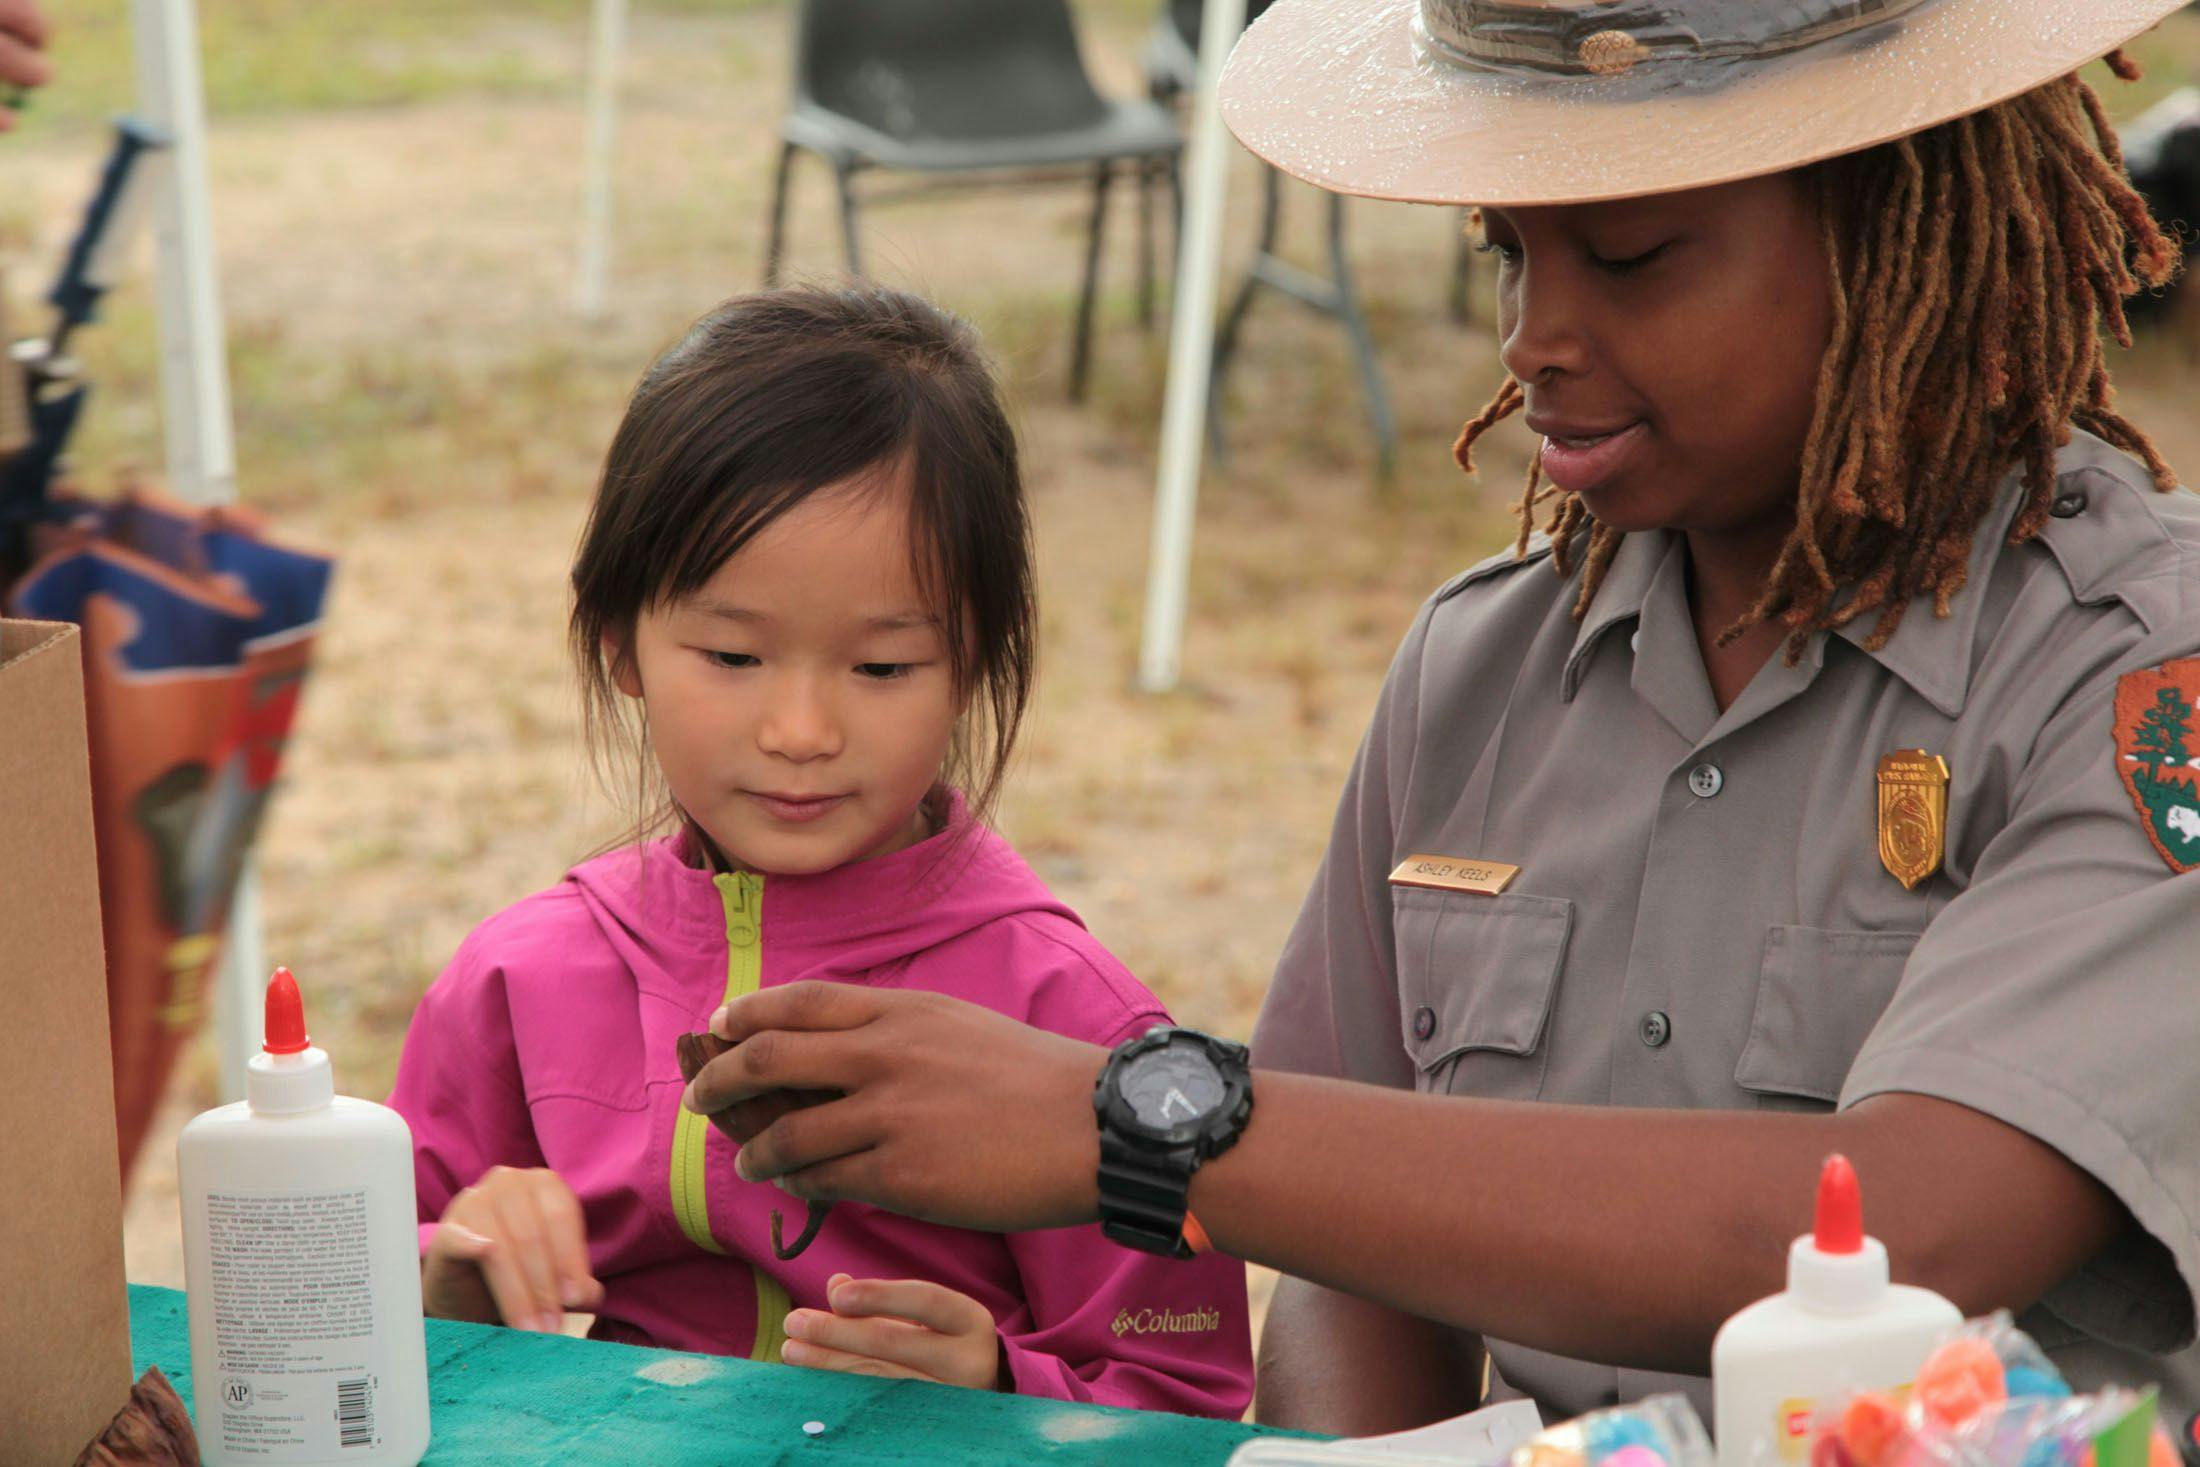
(947, 1112)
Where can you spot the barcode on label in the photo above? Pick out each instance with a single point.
(355, 1412)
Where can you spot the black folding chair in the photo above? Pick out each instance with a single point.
(995, 90)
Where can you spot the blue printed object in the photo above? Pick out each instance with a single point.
(2024, 1380)
(1609, 1432)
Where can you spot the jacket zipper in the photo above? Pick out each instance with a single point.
(743, 896)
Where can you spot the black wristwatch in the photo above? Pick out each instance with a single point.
(1168, 1101)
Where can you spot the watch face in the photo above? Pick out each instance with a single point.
(1172, 1087)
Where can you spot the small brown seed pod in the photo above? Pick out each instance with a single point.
(698, 1050)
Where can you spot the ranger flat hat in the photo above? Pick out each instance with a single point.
(1514, 102)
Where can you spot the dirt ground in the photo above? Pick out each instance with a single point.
(415, 392)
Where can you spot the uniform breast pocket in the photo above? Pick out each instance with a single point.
(1476, 979)
(1819, 994)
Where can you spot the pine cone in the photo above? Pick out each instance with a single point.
(153, 1430)
(698, 1050)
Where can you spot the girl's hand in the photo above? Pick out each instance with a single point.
(510, 1249)
(947, 1112)
(910, 1330)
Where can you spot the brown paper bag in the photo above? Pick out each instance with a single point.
(64, 1310)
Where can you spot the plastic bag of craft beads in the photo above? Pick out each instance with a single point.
(1660, 1431)
(1990, 1397)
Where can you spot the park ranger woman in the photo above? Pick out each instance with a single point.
(1820, 775)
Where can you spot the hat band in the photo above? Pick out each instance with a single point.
(1606, 37)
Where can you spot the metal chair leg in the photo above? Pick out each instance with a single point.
(776, 240)
(847, 179)
(1081, 348)
(1173, 172)
(1355, 323)
(1146, 181)
(1271, 213)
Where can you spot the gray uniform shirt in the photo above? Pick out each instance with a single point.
(1702, 918)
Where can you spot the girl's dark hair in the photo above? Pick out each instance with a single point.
(768, 399)
(1973, 269)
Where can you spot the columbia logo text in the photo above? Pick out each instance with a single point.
(1167, 1322)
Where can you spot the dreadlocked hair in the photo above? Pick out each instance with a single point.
(1972, 268)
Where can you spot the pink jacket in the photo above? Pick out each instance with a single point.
(549, 1041)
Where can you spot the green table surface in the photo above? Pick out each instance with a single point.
(509, 1396)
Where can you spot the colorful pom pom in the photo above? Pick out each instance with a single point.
(1609, 1433)
(2029, 1380)
(1870, 1427)
(1543, 1454)
(1962, 1378)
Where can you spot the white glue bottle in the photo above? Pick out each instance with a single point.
(302, 1264)
(1841, 1327)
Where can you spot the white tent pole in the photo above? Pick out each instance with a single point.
(194, 374)
(1191, 354)
(194, 381)
(606, 50)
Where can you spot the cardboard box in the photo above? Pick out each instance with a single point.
(64, 1309)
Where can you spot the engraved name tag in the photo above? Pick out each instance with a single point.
(1454, 873)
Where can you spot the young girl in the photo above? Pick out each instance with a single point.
(808, 574)
(1825, 778)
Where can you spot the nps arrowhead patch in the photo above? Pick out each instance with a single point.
(2158, 756)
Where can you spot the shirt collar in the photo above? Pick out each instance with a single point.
(1932, 654)
(1626, 584)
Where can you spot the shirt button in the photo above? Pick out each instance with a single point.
(1656, 1029)
(2069, 506)
(1424, 1023)
(1704, 781)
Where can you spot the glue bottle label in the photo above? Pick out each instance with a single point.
(294, 1327)
(1797, 1417)
(1792, 1427)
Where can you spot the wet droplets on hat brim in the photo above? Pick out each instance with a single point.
(1350, 96)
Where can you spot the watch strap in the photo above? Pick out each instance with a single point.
(1143, 1196)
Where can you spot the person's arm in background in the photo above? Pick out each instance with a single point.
(1330, 1362)
(23, 62)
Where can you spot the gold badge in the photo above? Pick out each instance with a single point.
(1913, 814)
(1452, 873)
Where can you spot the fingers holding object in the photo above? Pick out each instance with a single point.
(774, 1061)
(809, 1006)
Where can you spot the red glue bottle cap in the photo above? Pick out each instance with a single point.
(1839, 1227)
(291, 1075)
(286, 1015)
(1835, 1267)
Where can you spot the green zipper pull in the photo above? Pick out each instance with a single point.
(744, 899)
